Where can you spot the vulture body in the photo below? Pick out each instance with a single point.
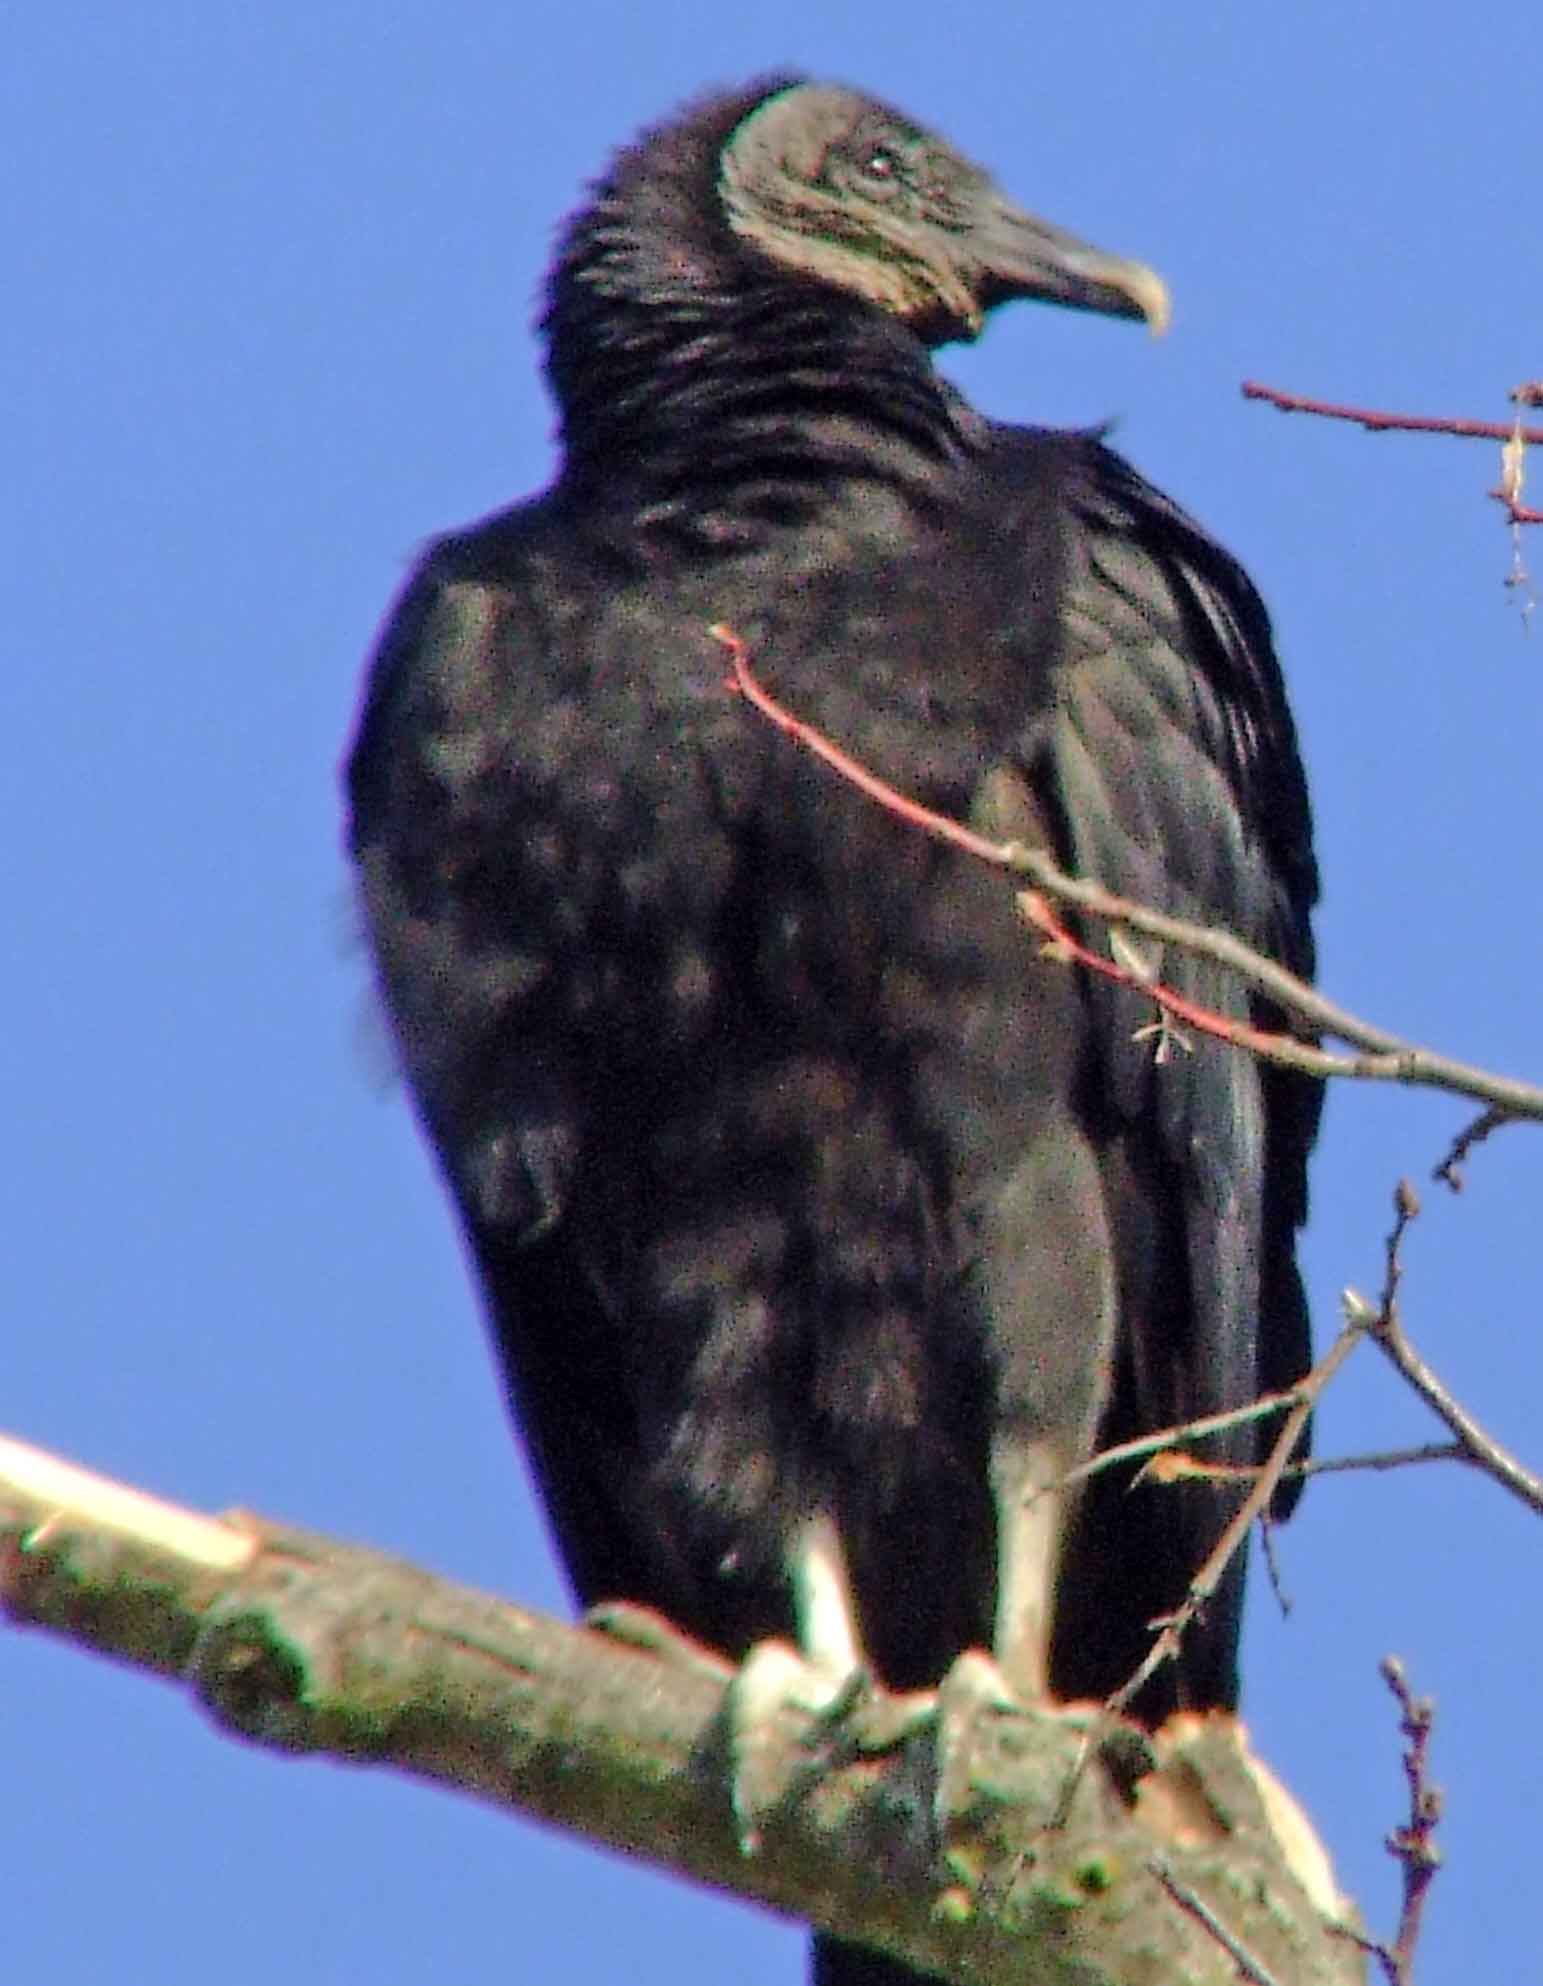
(819, 1219)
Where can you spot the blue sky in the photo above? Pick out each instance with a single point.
(270, 275)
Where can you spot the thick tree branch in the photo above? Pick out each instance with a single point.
(310, 1646)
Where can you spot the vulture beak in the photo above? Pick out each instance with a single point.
(1022, 256)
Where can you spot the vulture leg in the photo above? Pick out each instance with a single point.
(1031, 1516)
(825, 1677)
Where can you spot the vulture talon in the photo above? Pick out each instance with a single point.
(765, 1772)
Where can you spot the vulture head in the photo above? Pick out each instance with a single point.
(833, 185)
(784, 215)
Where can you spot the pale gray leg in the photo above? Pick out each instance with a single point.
(815, 1679)
(824, 1679)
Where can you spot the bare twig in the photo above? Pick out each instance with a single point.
(1272, 1565)
(1413, 1845)
(1383, 1057)
(1379, 421)
(1284, 1049)
(1519, 513)
(1514, 439)
(1168, 1438)
(1360, 1320)
(1203, 1585)
(1171, 1461)
(1406, 1211)
(1384, 1326)
(1482, 1448)
(1177, 1465)
(1385, 1458)
(1249, 1967)
(1485, 1125)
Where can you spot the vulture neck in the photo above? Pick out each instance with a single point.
(781, 382)
(682, 355)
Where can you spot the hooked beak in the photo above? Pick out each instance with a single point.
(1022, 256)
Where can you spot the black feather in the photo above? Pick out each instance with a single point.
(795, 1179)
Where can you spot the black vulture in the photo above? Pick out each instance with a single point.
(821, 1220)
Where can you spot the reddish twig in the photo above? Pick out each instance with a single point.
(1179, 1466)
(1512, 434)
(1382, 1057)
(1170, 1438)
(1413, 1845)
(744, 683)
(1171, 1462)
(1204, 1020)
(998, 854)
(1387, 1059)
(1519, 513)
(1378, 421)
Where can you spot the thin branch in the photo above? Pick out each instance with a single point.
(1450, 1170)
(1268, 1526)
(1387, 1333)
(1406, 1211)
(1202, 1587)
(1384, 1326)
(309, 1646)
(1413, 1845)
(1519, 513)
(1248, 1966)
(1378, 421)
(1360, 1321)
(1384, 1057)
(1171, 1461)
(1172, 1437)
(1385, 1458)
(1284, 1049)
(1387, 1058)
(1178, 1466)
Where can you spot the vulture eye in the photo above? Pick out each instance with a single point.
(883, 168)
